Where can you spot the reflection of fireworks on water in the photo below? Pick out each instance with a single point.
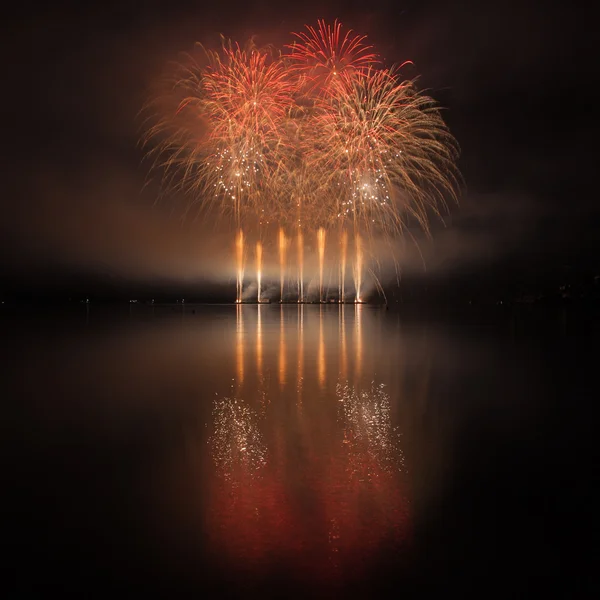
(250, 515)
(370, 465)
(236, 443)
(357, 484)
(366, 415)
(320, 138)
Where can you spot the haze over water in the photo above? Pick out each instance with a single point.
(281, 450)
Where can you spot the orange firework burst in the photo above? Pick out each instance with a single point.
(385, 152)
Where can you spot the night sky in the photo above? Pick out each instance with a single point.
(516, 79)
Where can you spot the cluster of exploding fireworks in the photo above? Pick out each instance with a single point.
(319, 141)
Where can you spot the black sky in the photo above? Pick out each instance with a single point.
(517, 81)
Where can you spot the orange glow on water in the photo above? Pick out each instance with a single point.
(321, 366)
(282, 350)
(359, 340)
(239, 345)
(343, 349)
(259, 343)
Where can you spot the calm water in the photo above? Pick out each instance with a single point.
(287, 451)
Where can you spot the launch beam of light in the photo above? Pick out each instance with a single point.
(300, 257)
(259, 269)
(343, 254)
(239, 253)
(282, 257)
(321, 246)
(358, 267)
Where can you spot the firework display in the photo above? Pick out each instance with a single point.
(320, 137)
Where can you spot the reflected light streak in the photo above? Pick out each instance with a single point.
(239, 345)
(282, 350)
(321, 366)
(300, 354)
(344, 349)
(358, 314)
(259, 343)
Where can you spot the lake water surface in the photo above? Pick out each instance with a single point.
(295, 450)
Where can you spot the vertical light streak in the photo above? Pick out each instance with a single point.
(300, 353)
(343, 253)
(358, 266)
(344, 348)
(259, 343)
(282, 350)
(282, 252)
(239, 257)
(258, 267)
(239, 345)
(359, 340)
(300, 248)
(321, 367)
(321, 244)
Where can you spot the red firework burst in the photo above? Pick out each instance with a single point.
(322, 53)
